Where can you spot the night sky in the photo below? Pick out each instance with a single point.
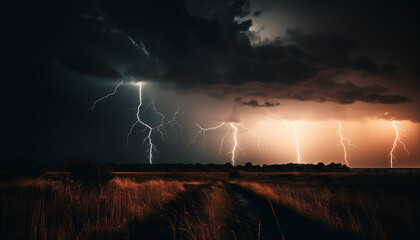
(286, 70)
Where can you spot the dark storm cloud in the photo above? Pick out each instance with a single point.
(386, 99)
(270, 104)
(335, 51)
(323, 90)
(90, 65)
(186, 49)
(254, 103)
(319, 89)
(92, 44)
(208, 44)
(257, 13)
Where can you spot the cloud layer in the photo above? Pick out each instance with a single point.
(217, 52)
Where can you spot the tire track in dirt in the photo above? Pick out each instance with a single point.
(255, 219)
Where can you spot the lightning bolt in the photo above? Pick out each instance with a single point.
(223, 140)
(394, 145)
(235, 145)
(299, 158)
(151, 146)
(173, 123)
(139, 46)
(105, 97)
(167, 122)
(252, 133)
(342, 139)
(159, 128)
(147, 127)
(148, 138)
(204, 130)
(232, 126)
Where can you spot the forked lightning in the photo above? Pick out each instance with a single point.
(396, 141)
(299, 157)
(105, 97)
(343, 142)
(232, 126)
(147, 127)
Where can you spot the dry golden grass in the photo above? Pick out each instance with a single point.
(343, 209)
(207, 219)
(47, 209)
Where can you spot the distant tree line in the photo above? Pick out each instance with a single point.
(31, 168)
(198, 167)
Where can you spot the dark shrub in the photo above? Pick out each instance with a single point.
(346, 169)
(90, 173)
(248, 164)
(321, 167)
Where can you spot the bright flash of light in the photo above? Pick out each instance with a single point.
(105, 97)
(173, 123)
(159, 128)
(204, 130)
(236, 143)
(342, 142)
(299, 158)
(232, 126)
(150, 144)
(394, 145)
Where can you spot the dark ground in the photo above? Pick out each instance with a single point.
(255, 217)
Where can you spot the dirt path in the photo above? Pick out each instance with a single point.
(255, 220)
(252, 217)
(163, 224)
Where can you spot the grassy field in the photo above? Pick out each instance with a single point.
(51, 209)
(178, 205)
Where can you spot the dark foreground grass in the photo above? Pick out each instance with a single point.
(206, 219)
(366, 206)
(50, 209)
(371, 207)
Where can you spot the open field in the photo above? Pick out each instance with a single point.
(214, 205)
